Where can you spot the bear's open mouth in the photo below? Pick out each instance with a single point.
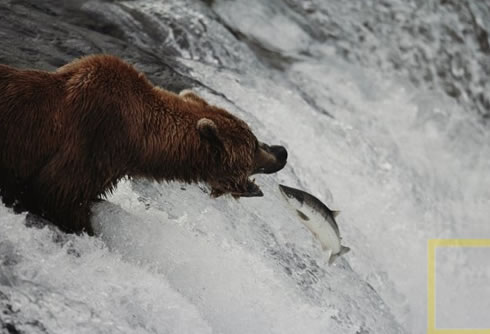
(253, 190)
(249, 190)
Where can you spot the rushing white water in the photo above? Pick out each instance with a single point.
(404, 165)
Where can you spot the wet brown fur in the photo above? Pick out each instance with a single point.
(67, 137)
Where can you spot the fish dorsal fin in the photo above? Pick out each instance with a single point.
(335, 213)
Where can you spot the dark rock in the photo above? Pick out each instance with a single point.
(43, 35)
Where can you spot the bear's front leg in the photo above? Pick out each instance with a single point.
(72, 219)
(72, 216)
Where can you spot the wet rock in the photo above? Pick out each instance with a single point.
(43, 35)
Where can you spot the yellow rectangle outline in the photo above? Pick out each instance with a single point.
(431, 278)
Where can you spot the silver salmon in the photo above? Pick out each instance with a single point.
(318, 218)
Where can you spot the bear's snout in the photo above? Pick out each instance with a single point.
(270, 159)
(280, 152)
(281, 156)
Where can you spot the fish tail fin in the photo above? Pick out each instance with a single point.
(332, 257)
(344, 250)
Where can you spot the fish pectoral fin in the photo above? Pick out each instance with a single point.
(335, 213)
(332, 258)
(302, 215)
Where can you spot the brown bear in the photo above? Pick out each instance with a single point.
(67, 137)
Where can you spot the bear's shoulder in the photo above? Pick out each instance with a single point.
(101, 63)
(95, 61)
(104, 71)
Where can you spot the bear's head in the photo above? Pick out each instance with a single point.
(235, 152)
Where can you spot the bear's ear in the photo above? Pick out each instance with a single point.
(207, 128)
(190, 95)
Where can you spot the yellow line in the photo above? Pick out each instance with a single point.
(459, 242)
(460, 331)
(431, 291)
(431, 285)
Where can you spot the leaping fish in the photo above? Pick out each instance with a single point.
(318, 218)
